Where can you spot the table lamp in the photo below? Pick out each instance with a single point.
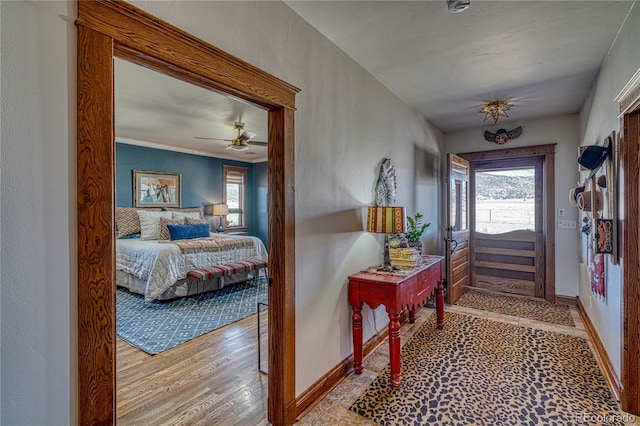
(220, 210)
(386, 220)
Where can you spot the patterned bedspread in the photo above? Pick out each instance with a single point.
(161, 264)
(217, 243)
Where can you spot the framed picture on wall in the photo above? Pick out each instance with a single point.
(156, 189)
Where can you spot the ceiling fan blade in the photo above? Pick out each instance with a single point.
(257, 143)
(211, 139)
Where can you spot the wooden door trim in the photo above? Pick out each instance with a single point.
(536, 162)
(629, 104)
(547, 153)
(630, 253)
(105, 28)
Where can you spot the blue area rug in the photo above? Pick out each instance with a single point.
(160, 325)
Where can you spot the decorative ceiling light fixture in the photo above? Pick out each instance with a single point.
(456, 6)
(495, 109)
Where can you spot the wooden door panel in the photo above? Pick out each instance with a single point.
(509, 262)
(457, 231)
(511, 285)
(460, 278)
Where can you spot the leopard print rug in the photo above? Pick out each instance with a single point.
(481, 372)
(539, 310)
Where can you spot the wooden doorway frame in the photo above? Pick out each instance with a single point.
(535, 163)
(108, 28)
(547, 154)
(629, 104)
(630, 244)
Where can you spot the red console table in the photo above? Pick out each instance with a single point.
(396, 290)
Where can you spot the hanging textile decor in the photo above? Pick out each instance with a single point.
(595, 266)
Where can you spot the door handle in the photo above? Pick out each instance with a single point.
(454, 246)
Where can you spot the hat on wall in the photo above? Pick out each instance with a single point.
(573, 195)
(593, 156)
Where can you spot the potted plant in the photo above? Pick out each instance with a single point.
(415, 229)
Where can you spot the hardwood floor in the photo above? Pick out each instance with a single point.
(212, 380)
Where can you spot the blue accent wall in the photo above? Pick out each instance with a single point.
(260, 187)
(201, 178)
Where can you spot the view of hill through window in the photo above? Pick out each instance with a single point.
(505, 200)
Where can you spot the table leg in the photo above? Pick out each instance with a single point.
(440, 305)
(356, 326)
(394, 349)
(412, 314)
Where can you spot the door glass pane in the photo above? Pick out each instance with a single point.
(463, 206)
(505, 200)
(459, 205)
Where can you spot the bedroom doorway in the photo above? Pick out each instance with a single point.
(106, 29)
(166, 125)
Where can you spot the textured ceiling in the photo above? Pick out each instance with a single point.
(541, 55)
(156, 110)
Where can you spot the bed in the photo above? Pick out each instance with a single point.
(157, 268)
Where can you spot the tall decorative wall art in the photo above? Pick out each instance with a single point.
(597, 198)
(386, 184)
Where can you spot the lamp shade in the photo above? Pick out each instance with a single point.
(386, 220)
(220, 210)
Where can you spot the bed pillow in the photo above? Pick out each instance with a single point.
(191, 221)
(185, 232)
(164, 231)
(131, 236)
(127, 221)
(199, 210)
(184, 215)
(150, 224)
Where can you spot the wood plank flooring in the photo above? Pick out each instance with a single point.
(212, 380)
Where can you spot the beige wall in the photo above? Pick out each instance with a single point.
(564, 132)
(37, 210)
(345, 124)
(599, 116)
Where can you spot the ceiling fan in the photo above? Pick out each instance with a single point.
(242, 142)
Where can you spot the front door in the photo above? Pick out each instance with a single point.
(457, 231)
(508, 240)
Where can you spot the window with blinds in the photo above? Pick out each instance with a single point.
(234, 195)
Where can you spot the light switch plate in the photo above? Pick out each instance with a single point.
(566, 224)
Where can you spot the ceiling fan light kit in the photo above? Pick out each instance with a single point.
(238, 146)
(495, 109)
(456, 6)
(241, 142)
